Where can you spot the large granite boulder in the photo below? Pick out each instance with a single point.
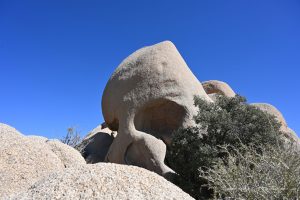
(95, 145)
(103, 181)
(215, 87)
(24, 160)
(150, 93)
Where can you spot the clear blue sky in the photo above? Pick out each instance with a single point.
(57, 55)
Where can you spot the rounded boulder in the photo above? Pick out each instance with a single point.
(24, 160)
(213, 87)
(104, 181)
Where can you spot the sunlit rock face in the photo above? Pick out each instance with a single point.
(103, 181)
(215, 87)
(149, 95)
(24, 160)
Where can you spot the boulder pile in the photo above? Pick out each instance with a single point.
(151, 94)
(33, 167)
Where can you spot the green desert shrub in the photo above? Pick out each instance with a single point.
(271, 173)
(228, 121)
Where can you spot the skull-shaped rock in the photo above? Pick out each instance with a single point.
(150, 95)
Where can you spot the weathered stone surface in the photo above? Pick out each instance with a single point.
(152, 92)
(95, 145)
(67, 155)
(24, 160)
(218, 87)
(103, 181)
(142, 154)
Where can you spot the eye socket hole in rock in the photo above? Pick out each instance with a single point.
(160, 118)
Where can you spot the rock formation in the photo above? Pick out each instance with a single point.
(95, 145)
(149, 95)
(33, 167)
(24, 160)
(215, 87)
(103, 181)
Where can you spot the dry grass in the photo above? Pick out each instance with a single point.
(246, 174)
(72, 137)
